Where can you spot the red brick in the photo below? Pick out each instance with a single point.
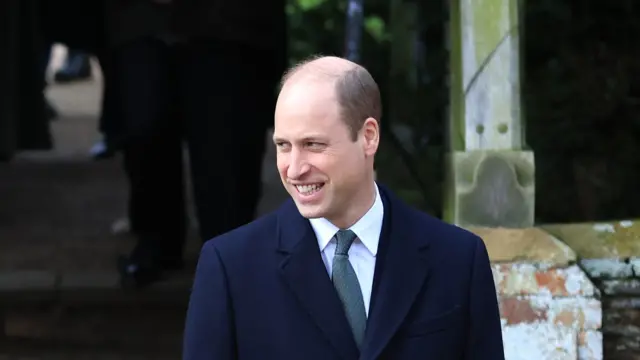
(520, 310)
(552, 280)
(527, 279)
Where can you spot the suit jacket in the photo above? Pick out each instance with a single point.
(262, 292)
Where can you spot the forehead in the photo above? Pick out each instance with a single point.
(306, 107)
(305, 96)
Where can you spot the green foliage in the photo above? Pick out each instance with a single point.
(306, 5)
(317, 26)
(375, 26)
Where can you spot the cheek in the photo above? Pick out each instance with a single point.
(353, 169)
(342, 170)
(340, 166)
(282, 165)
(353, 162)
(322, 165)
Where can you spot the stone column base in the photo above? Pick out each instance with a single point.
(490, 188)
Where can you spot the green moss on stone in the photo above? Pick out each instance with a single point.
(616, 239)
(528, 245)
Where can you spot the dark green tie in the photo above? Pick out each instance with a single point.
(347, 286)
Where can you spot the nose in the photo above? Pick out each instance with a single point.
(298, 166)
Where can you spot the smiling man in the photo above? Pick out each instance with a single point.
(345, 270)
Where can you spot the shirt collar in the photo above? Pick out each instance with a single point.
(367, 229)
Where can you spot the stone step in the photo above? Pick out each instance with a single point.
(121, 330)
(79, 315)
(50, 287)
(22, 350)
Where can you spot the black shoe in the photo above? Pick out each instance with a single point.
(134, 275)
(102, 150)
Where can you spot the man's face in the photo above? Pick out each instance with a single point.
(320, 165)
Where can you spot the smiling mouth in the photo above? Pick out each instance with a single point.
(307, 190)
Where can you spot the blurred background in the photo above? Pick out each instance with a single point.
(64, 196)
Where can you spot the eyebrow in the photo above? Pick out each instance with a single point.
(304, 139)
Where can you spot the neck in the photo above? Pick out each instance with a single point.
(360, 204)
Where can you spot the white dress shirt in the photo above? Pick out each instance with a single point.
(362, 253)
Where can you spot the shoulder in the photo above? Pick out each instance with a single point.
(443, 233)
(444, 239)
(438, 232)
(450, 247)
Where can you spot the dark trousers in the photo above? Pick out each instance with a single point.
(110, 124)
(219, 99)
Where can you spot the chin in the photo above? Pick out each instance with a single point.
(311, 211)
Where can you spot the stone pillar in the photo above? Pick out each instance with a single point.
(490, 175)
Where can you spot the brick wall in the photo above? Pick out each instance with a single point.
(548, 313)
(619, 281)
(550, 308)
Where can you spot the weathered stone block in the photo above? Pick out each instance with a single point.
(590, 345)
(540, 341)
(527, 279)
(625, 321)
(622, 303)
(621, 287)
(607, 268)
(520, 310)
(529, 245)
(548, 313)
(635, 264)
(490, 189)
(575, 312)
(608, 240)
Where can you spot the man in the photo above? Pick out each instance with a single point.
(199, 73)
(287, 286)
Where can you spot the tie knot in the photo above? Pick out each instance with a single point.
(344, 239)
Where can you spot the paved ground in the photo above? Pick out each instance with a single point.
(58, 288)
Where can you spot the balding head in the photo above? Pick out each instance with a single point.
(355, 90)
(326, 134)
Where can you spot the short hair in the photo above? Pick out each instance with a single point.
(356, 91)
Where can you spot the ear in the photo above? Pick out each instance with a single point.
(371, 136)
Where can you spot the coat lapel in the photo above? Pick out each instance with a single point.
(401, 272)
(305, 273)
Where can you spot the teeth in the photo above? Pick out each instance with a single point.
(308, 189)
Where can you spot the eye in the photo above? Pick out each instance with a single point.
(282, 145)
(314, 144)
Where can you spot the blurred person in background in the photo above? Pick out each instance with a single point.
(202, 72)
